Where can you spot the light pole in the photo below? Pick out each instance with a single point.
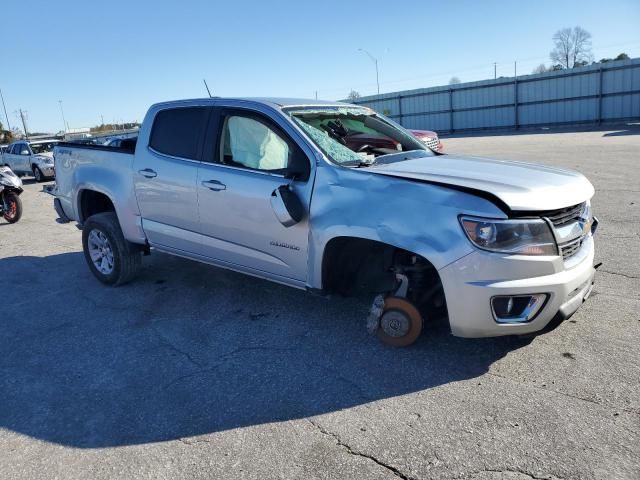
(375, 61)
(65, 127)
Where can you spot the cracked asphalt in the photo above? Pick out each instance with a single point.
(193, 372)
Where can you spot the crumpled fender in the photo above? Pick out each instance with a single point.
(411, 215)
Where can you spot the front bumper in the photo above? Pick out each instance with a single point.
(472, 281)
(47, 170)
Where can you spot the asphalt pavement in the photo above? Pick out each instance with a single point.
(195, 372)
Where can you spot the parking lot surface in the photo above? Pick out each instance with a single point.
(196, 372)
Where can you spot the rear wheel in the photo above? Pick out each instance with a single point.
(111, 259)
(13, 210)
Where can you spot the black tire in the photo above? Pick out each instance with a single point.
(9, 216)
(127, 257)
(38, 175)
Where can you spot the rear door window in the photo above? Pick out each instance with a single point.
(178, 132)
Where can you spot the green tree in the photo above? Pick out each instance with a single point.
(622, 56)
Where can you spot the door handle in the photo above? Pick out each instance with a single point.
(147, 172)
(214, 185)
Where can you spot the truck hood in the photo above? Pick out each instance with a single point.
(521, 186)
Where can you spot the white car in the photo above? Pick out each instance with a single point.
(31, 158)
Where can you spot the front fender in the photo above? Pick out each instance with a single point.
(414, 216)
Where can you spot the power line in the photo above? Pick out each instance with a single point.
(479, 68)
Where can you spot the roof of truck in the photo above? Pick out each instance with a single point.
(272, 101)
(289, 102)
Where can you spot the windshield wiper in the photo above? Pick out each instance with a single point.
(358, 164)
(366, 164)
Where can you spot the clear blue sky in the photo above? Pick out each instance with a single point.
(118, 57)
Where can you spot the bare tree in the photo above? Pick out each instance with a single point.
(454, 81)
(540, 69)
(581, 46)
(561, 54)
(572, 47)
(353, 95)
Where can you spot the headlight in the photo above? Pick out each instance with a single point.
(517, 237)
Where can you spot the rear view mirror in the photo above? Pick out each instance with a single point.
(286, 205)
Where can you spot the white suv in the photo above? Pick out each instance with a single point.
(31, 158)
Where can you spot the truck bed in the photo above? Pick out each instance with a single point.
(78, 165)
(128, 145)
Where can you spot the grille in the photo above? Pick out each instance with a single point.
(565, 216)
(432, 143)
(571, 248)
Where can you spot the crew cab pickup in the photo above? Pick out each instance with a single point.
(270, 187)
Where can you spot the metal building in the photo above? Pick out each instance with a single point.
(592, 94)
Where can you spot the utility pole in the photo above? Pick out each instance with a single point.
(375, 61)
(515, 69)
(495, 70)
(101, 120)
(5, 110)
(316, 94)
(24, 125)
(65, 125)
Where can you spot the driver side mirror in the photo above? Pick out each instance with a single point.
(286, 205)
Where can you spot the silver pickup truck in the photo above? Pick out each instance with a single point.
(270, 187)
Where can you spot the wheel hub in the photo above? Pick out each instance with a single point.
(395, 323)
(101, 252)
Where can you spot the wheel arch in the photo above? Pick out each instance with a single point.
(91, 201)
(343, 252)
